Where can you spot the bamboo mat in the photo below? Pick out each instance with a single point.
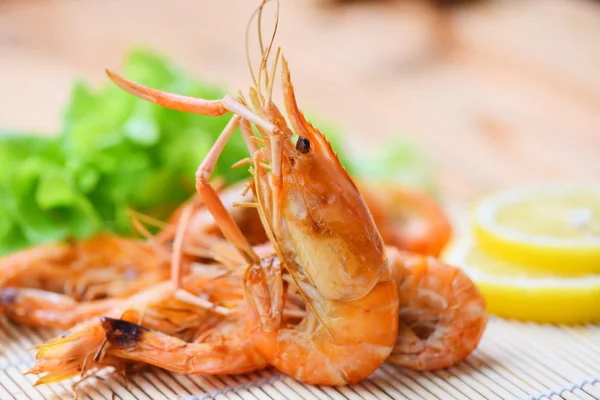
(513, 361)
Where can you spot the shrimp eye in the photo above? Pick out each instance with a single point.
(303, 145)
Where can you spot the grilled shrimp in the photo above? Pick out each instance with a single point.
(14, 265)
(41, 308)
(406, 218)
(442, 313)
(321, 229)
(153, 327)
(102, 266)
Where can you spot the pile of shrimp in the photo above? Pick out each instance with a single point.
(302, 268)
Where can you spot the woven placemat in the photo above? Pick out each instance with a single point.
(514, 361)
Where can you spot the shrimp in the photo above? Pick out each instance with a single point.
(33, 258)
(322, 232)
(40, 308)
(102, 266)
(406, 218)
(153, 327)
(442, 313)
(226, 348)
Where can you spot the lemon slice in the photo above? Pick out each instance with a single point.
(512, 291)
(552, 227)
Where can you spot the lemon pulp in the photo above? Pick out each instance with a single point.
(554, 227)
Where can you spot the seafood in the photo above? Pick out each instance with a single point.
(41, 308)
(102, 266)
(441, 320)
(406, 218)
(442, 313)
(321, 229)
(357, 272)
(154, 327)
(16, 264)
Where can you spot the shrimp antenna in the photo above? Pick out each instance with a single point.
(259, 26)
(265, 53)
(272, 81)
(266, 56)
(248, 60)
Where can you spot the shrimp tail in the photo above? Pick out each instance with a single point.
(230, 355)
(71, 355)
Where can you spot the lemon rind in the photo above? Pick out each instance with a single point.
(554, 300)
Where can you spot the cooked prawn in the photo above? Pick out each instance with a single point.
(308, 163)
(102, 266)
(322, 231)
(153, 327)
(33, 258)
(406, 218)
(225, 348)
(442, 313)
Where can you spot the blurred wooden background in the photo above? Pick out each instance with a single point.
(499, 93)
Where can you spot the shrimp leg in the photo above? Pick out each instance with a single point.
(190, 104)
(215, 206)
(213, 202)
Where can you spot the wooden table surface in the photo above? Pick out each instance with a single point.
(501, 93)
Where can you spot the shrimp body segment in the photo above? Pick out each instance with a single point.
(442, 313)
